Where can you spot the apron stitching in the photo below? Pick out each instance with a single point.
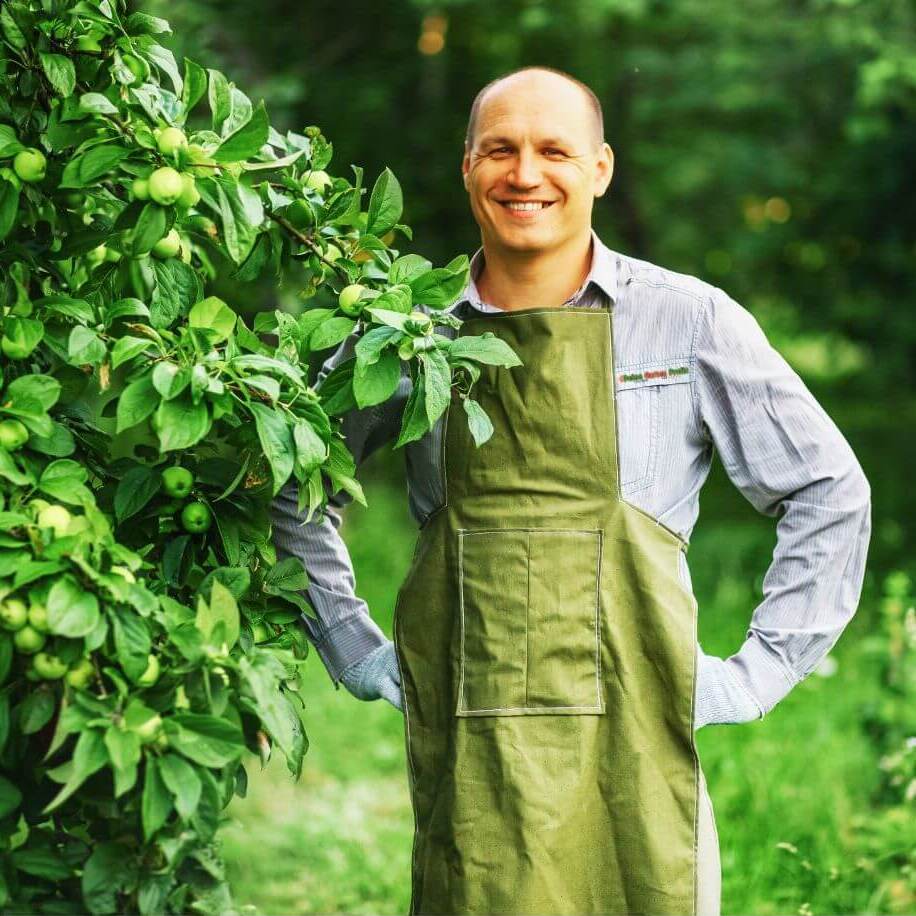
(527, 610)
(601, 705)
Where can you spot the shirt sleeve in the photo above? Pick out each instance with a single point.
(344, 631)
(787, 457)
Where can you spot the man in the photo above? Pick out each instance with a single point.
(545, 649)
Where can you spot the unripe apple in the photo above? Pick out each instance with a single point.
(30, 165)
(348, 300)
(139, 188)
(318, 180)
(189, 196)
(171, 140)
(165, 186)
(168, 246)
(56, 517)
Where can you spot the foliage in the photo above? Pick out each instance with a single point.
(149, 637)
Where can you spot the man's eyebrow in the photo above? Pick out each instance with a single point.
(552, 141)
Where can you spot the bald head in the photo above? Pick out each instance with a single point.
(545, 80)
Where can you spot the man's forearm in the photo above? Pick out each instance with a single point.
(344, 631)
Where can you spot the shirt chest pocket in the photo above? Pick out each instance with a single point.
(640, 406)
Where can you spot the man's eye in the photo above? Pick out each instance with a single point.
(559, 152)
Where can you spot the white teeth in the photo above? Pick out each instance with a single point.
(526, 206)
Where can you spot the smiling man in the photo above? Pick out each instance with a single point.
(545, 652)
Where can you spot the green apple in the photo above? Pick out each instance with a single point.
(171, 140)
(13, 434)
(348, 300)
(189, 196)
(177, 482)
(196, 518)
(28, 640)
(30, 165)
(56, 517)
(168, 246)
(318, 180)
(14, 614)
(151, 674)
(150, 729)
(165, 186)
(38, 617)
(139, 188)
(80, 674)
(49, 666)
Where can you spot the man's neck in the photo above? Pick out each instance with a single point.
(511, 281)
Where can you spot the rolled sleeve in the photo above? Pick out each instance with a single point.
(788, 458)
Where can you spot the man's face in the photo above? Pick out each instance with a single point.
(534, 141)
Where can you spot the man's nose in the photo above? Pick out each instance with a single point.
(525, 171)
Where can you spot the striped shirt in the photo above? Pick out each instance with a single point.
(694, 375)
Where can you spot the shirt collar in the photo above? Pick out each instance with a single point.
(603, 273)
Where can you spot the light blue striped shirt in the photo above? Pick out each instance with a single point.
(694, 375)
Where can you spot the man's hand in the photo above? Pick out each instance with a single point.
(375, 675)
(720, 698)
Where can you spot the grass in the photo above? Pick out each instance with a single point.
(786, 790)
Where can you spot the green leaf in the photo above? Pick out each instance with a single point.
(165, 61)
(370, 345)
(63, 479)
(26, 333)
(311, 450)
(247, 140)
(85, 169)
(108, 869)
(138, 400)
(336, 389)
(132, 642)
(177, 287)
(42, 863)
(277, 441)
(438, 381)
(9, 206)
(214, 315)
(9, 142)
(89, 756)
(386, 204)
(135, 489)
(41, 388)
(195, 84)
(157, 801)
(397, 298)
(331, 332)
(182, 781)
(441, 286)
(478, 422)
(170, 380)
(407, 267)
(414, 421)
(126, 348)
(207, 740)
(221, 609)
(58, 444)
(144, 24)
(220, 98)
(123, 747)
(10, 797)
(181, 423)
(35, 711)
(85, 347)
(241, 212)
(12, 31)
(487, 348)
(72, 611)
(96, 103)
(60, 72)
(375, 382)
(288, 575)
(149, 229)
(260, 674)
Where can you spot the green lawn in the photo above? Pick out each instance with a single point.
(786, 790)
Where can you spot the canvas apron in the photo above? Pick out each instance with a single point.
(547, 652)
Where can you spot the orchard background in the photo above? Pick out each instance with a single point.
(764, 147)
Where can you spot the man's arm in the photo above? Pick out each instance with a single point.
(787, 457)
(345, 631)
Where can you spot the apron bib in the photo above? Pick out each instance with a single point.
(547, 650)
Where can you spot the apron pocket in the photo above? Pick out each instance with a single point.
(529, 628)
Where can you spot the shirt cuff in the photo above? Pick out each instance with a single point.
(347, 642)
(765, 678)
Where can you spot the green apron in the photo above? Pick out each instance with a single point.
(548, 649)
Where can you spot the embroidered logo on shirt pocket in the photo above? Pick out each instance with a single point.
(638, 398)
(529, 638)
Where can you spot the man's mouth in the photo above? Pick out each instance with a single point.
(526, 206)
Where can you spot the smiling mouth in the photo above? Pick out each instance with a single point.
(531, 206)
